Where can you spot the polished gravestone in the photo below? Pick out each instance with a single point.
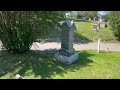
(67, 54)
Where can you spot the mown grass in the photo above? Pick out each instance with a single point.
(85, 33)
(42, 65)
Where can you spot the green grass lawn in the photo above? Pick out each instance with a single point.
(86, 34)
(42, 65)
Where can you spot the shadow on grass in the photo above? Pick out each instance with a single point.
(78, 38)
(39, 63)
(52, 36)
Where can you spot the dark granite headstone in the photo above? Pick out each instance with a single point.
(67, 39)
(67, 54)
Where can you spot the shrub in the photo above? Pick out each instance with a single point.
(19, 29)
(115, 23)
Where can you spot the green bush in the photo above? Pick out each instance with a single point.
(19, 29)
(115, 23)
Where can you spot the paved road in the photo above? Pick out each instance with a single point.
(78, 46)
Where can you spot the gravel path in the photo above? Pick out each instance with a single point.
(79, 46)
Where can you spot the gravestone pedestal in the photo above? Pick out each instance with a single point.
(65, 59)
(67, 54)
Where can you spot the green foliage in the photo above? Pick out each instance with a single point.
(106, 16)
(18, 29)
(115, 23)
(91, 14)
(87, 14)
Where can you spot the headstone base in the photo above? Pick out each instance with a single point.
(67, 53)
(66, 60)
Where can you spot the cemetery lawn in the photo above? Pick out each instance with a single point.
(85, 33)
(41, 65)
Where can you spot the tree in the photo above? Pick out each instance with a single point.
(80, 14)
(19, 29)
(88, 14)
(114, 22)
(91, 14)
(73, 14)
(106, 16)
